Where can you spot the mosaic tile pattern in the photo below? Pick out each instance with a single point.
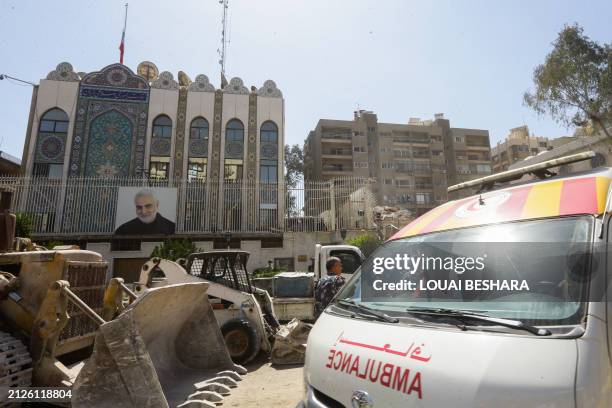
(50, 148)
(179, 142)
(109, 147)
(114, 88)
(251, 217)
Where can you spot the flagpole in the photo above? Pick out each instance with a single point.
(122, 45)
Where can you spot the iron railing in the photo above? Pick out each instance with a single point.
(89, 206)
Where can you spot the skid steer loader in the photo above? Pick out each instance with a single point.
(244, 312)
(63, 323)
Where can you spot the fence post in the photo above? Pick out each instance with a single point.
(332, 207)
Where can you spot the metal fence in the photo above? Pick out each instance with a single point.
(89, 206)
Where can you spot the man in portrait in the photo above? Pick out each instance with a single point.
(148, 219)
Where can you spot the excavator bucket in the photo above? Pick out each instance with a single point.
(164, 350)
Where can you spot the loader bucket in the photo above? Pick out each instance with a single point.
(160, 350)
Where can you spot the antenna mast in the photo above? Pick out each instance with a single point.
(222, 51)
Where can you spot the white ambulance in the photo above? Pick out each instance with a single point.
(551, 348)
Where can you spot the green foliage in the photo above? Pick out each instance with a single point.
(50, 244)
(23, 225)
(294, 173)
(174, 249)
(266, 272)
(366, 243)
(574, 84)
(294, 164)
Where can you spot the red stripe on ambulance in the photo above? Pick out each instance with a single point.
(579, 196)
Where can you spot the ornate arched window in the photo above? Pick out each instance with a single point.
(162, 126)
(159, 165)
(198, 149)
(234, 149)
(198, 129)
(268, 151)
(51, 144)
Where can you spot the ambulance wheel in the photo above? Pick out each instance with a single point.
(241, 339)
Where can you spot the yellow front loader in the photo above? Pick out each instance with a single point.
(64, 323)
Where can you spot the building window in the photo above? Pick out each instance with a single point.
(158, 168)
(234, 131)
(196, 169)
(402, 183)
(458, 139)
(234, 243)
(422, 198)
(199, 129)
(272, 243)
(268, 172)
(387, 165)
(51, 144)
(48, 170)
(269, 132)
(162, 126)
(359, 149)
(54, 121)
(233, 169)
(268, 166)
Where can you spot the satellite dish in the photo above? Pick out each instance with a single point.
(184, 79)
(148, 71)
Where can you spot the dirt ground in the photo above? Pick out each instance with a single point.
(267, 386)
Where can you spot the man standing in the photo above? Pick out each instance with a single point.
(148, 219)
(328, 286)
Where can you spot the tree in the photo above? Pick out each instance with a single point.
(24, 223)
(366, 243)
(294, 173)
(173, 249)
(574, 84)
(294, 164)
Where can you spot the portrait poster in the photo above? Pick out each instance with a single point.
(146, 211)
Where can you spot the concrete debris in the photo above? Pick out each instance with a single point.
(290, 343)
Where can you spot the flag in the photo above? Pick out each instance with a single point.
(122, 47)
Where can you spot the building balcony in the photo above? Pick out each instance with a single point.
(337, 154)
(336, 139)
(484, 148)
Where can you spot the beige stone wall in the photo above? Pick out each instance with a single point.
(198, 104)
(54, 94)
(162, 101)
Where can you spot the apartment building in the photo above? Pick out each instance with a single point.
(413, 163)
(519, 145)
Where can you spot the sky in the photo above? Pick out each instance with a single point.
(471, 60)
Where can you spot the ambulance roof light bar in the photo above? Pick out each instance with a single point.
(540, 170)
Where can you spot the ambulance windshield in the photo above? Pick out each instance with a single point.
(534, 271)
